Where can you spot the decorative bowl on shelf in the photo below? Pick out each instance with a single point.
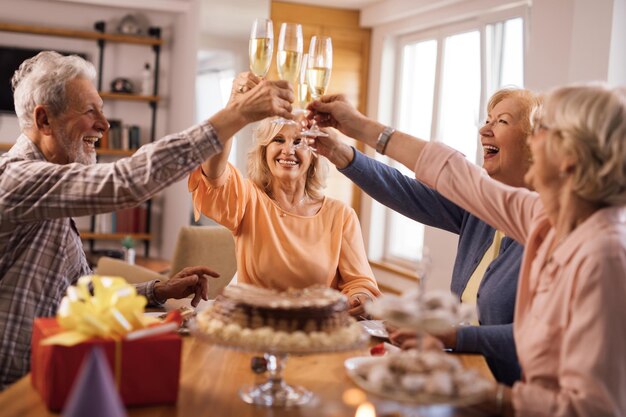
(122, 85)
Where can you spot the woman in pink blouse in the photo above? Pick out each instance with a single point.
(569, 322)
(287, 233)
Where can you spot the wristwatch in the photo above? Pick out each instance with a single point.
(383, 138)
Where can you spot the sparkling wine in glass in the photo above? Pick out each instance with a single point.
(319, 67)
(289, 56)
(261, 46)
(304, 94)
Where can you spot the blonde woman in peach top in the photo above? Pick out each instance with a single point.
(287, 234)
(569, 322)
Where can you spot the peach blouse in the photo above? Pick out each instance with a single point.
(277, 249)
(570, 316)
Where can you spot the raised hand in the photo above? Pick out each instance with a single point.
(264, 99)
(244, 82)
(357, 305)
(336, 111)
(333, 148)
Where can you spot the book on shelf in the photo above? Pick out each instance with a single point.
(134, 137)
(120, 136)
(129, 220)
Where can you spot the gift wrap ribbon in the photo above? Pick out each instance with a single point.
(113, 310)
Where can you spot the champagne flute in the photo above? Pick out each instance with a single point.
(261, 46)
(304, 94)
(319, 66)
(289, 56)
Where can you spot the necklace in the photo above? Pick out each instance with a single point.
(293, 206)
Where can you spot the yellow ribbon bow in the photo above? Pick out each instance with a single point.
(112, 311)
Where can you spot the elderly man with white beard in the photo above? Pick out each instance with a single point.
(50, 176)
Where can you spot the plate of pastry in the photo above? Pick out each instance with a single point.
(419, 377)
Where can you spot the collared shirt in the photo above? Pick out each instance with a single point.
(569, 316)
(41, 252)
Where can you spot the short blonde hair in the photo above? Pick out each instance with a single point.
(530, 103)
(589, 123)
(260, 174)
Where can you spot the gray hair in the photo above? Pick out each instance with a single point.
(259, 173)
(589, 123)
(42, 79)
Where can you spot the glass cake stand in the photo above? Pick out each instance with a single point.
(275, 392)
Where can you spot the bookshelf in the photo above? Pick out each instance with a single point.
(99, 35)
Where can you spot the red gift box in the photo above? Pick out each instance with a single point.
(148, 369)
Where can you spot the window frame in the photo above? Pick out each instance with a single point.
(439, 33)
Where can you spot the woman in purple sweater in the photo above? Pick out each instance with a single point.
(483, 274)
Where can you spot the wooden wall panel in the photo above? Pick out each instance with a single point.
(351, 49)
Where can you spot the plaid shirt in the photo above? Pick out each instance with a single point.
(41, 252)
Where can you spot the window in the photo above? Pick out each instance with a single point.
(444, 78)
(212, 94)
(213, 84)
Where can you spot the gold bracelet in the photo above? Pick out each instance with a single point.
(500, 398)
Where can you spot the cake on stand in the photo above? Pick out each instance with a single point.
(278, 324)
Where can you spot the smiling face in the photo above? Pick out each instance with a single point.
(506, 156)
(288, 159)
(81, 125)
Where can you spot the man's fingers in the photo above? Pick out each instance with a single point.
(197, 296)
(183, 281)
(198, 270)
(204, 286)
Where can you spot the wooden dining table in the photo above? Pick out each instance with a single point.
(211, 377)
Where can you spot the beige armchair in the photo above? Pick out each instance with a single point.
(134, 274)
(211, 246)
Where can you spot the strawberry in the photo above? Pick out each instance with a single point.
(378, 350)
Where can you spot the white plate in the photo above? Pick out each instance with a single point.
(354, 365)
(375, 328)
